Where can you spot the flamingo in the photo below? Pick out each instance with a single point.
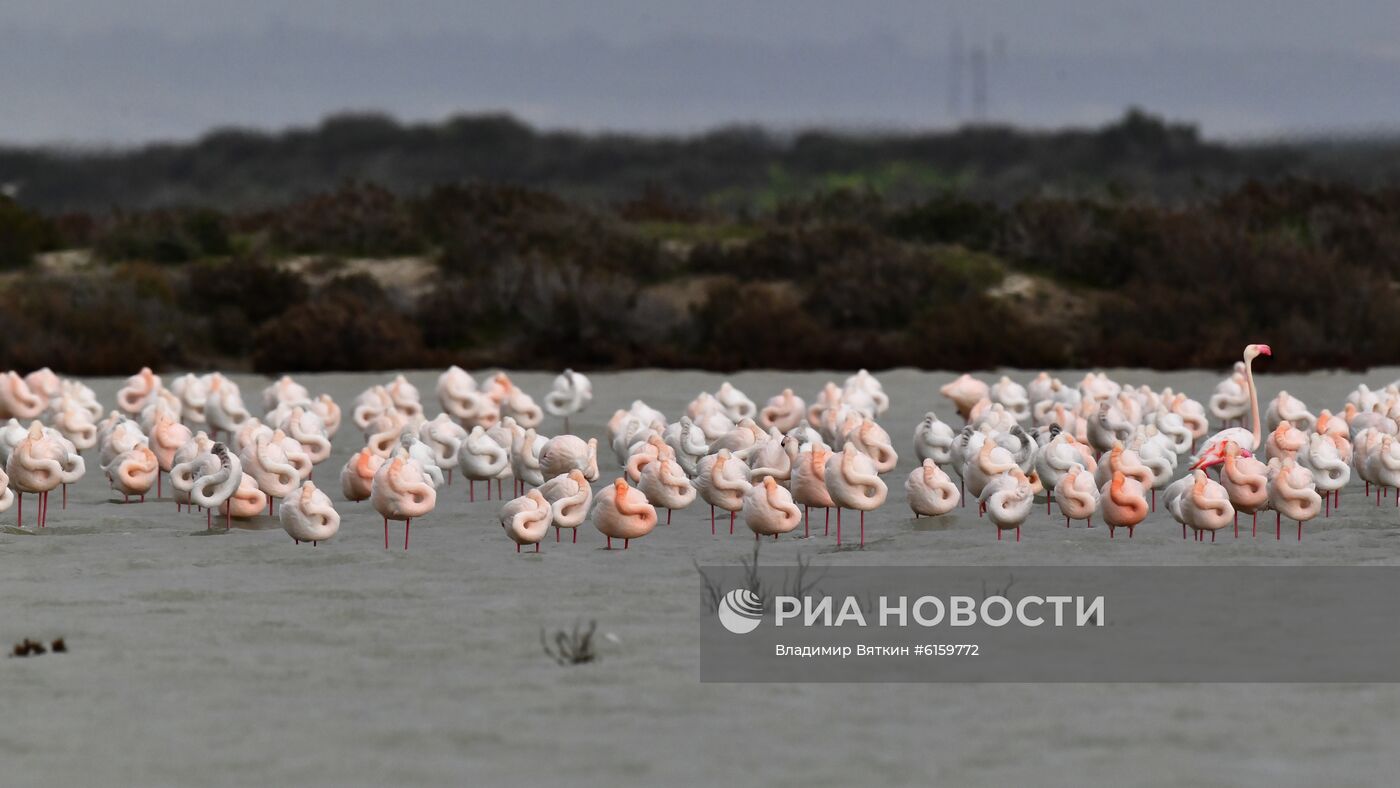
(864, 391)
(192, 460)
(463, 402)
(1007, 500)
(772, 457)
(38, 464)
(1124, 503)
(139, 389)
(1231, 398)
(1108, 426)
(569, 498)
(769, 510)
(783, 412)
(1013, 397)
(284, 390)
(571, 394)
(1331, 471)
(213, 488)
(854, 484)
(1286, 407)
(133, 472)
(665, 485)
(526, 519)
(306, 428)
(931, 493)
(193, 393)
(933, 440)
(622, 512)
(267, 462)
(736, 405)
(513, 401)
(167, 436)
(871, 439)
(808, 483)
(401, 491)
(1077, 495)
(965, 392)
(1204, 505)
(309, 516)
(723, 481)
(1246, 482)
(483, 458)
(357, 478)
(246, 502)
(1292, 494)
(564, 453)
(1213, 451)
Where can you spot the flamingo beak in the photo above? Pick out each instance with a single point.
(1264, 350)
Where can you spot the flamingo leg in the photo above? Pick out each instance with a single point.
(409, 524)
(386, 533)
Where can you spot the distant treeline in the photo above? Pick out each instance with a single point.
(525, 278)
(736, 170)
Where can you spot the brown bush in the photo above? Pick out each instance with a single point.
(340, 332)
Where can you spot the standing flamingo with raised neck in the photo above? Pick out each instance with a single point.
(1213, 452)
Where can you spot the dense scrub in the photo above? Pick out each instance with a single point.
(526, 278)
(733, 169)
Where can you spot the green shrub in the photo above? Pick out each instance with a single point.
(22, 234)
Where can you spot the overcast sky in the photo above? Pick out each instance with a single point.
(137, 70)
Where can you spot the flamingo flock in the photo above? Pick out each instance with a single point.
(1096, 450)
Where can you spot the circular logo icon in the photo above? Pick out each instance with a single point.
(740, 611)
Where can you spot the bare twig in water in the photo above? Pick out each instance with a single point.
(571, 648)
(1010, 581)
(714, 592)
(796, 583)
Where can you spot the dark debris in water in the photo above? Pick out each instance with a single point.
(571, 648)
(33, 648)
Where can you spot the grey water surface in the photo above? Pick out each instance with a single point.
(203, 657)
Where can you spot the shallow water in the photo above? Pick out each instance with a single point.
(210, 658)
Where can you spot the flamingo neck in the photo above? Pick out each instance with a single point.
(1253, 398)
